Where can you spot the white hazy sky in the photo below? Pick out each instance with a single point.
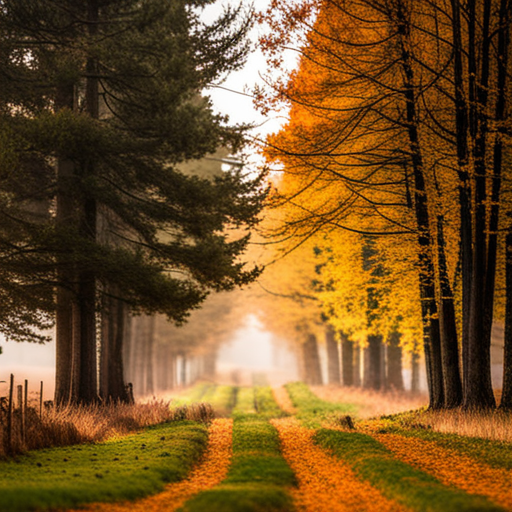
(239, 107)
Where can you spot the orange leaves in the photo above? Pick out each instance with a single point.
(452, 468)
(283, 400)
(325, 483)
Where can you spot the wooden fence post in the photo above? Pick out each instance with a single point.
(19, 389)
(9, 415)
(41, 401)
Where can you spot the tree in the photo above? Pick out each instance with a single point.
(110, 90)
(390, 130)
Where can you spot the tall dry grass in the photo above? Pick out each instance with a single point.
(63, 426)
(372, 403)
(495, 425)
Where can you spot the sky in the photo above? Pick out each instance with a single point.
(238, 105)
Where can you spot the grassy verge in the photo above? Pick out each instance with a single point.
(396, 480)
(312, 411)
(127, 468)
(259, 476)
(497, 454)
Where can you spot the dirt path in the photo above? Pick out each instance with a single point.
(211, 471)
(452, 467)
(325, 483)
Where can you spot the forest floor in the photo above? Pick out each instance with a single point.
(291, 448)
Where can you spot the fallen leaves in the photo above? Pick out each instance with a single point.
(452, 468)
(325, 483)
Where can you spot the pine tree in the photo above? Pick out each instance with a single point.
(110, 90)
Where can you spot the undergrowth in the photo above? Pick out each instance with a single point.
(69, 425)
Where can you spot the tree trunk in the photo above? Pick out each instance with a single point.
(210, 364)
(431, 328)
(313, 371)
(348, 360)
(113, 330)
(506, 394)
(333, 357)
(88, 385)
(357, 365)
(66, 370)
(150, 356)
(415, 372)
(449, 344)
(394, 362)
(183, 371)
(372, 378)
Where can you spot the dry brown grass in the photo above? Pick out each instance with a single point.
(372, 403)
(63, 426)
(495, 425)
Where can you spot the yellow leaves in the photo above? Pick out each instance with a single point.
(325, 484)
(452, 467)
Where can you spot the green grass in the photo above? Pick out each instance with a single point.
(258, 478)
(245, 404)
(266, 404)
(397, 480)
(193, 395)
(127, 468)
(311, 410)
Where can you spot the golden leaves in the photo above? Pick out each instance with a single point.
(325, 483)
(452, 467)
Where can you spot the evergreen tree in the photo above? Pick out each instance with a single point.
(109, 91)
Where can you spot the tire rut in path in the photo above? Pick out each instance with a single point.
(326, 484)
(452, 467)
(212, 469)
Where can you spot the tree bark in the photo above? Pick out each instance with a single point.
(348, 360)
(506, 392)
(449, 344)
(313, 371)
(394, 363)
(66, 371)
(333, 357)
(357, 365)
(431, 328)
(415, 372)
(372, 378)
(112, 383)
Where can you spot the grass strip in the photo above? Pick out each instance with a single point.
(127, 468)
(245, 403)
(258, 478)
(311, 410)
(416, 489)
(223, 399)
(193, 395)
(266, 404)
(497, 454)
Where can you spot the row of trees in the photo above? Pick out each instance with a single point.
(399, 134)
(317, 296)
(100, 105)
